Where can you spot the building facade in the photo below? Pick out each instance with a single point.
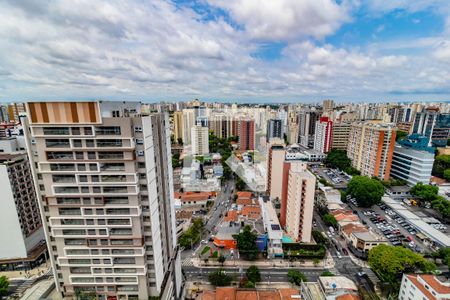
(246, 132)
(339, 138)
(323, 134)
(178, 125)
(370, 148)
(423, 287)
(200, 142)
(22, 240)
(104, 179)
(274, 129)
(275, 159)
(413, 160)
(297, 202)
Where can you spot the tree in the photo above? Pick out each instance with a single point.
(4, 285)
(221, 259)
(219, 278)
(447, 174)
(401, 135)
(367, 191)
(330, 220)
(192, 235)
(180, 141)
(246, 243)
(326, 273)
(444, 254)
(441, 205)
(296, 277)
(441, 163)
(352, 171)
(253, 274)
(249, 285)
(425, 192)
(240, 184)
(319, 238)
(316, 262)
(337, 159)
(391, 262)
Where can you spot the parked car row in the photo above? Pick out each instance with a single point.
(390, 231)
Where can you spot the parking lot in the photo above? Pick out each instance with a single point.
(333, 176)
(393, 227)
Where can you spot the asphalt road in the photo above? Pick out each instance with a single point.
(267, 274)
(216, 213)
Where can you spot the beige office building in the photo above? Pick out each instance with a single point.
(104, 180)
(275, 159)
(178, 125)
(371, 146)
(339, 138)
(297, 204)
(200, 142)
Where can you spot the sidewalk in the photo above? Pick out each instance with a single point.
(27, 274)
(327, 263)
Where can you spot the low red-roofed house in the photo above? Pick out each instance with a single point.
(244, 195)
(251, 212)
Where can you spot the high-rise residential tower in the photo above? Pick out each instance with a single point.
(370, 148)
(22, 237)
(339, 138)
(246, 132)
(274, 129)
(104, 180)
(323, 134)
(178, 125)
(200, 143)
(297, 200)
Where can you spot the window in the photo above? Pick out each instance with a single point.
(79, 155)
(90, 143)
(72, 222)
(109, 143)
(77, 143)
(92, 167)
(91, 155)
(112, 167)
(120, 231)
(116, 200)
(62, 167)
(59, 155)
(88, 130)
(66, 190)
(63, 178)
(56, 130)
(79, 270)
(69, 211)
(76, 130)
(108, 130)
(115, 189)
(124, 260)
(81, 167)
(114, 178)
(71, 242)
(117, 211)
(68, 200)
(57, 143)
(110, 155)
(118, 221)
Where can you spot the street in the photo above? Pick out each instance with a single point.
(216, 213)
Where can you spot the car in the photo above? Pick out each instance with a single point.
(338, 254)
(211, 239)
(360, 274)
(204, 242)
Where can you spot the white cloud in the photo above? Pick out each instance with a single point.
(286, 19)
(132, 50)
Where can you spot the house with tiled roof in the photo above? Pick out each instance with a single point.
(423, 287)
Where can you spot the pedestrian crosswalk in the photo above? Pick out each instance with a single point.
(187, 262)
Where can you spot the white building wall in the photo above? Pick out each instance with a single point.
(11, 238)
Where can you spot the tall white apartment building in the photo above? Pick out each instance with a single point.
(275, 159)
(104, 180)
(200, 142)
(188, 123)
(322, 135)
(22, 237)
(370, 148)
(297, 203)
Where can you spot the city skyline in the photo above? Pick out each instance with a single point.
(233, 51)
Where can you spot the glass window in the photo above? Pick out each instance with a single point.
(63, 178)
(59, 155)
(109, 143)
(56, 130)
(107, 130)
(62, 167)
(66, 189)
(110, 155)
(57, 143)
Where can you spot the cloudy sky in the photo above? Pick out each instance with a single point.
(248, 50)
